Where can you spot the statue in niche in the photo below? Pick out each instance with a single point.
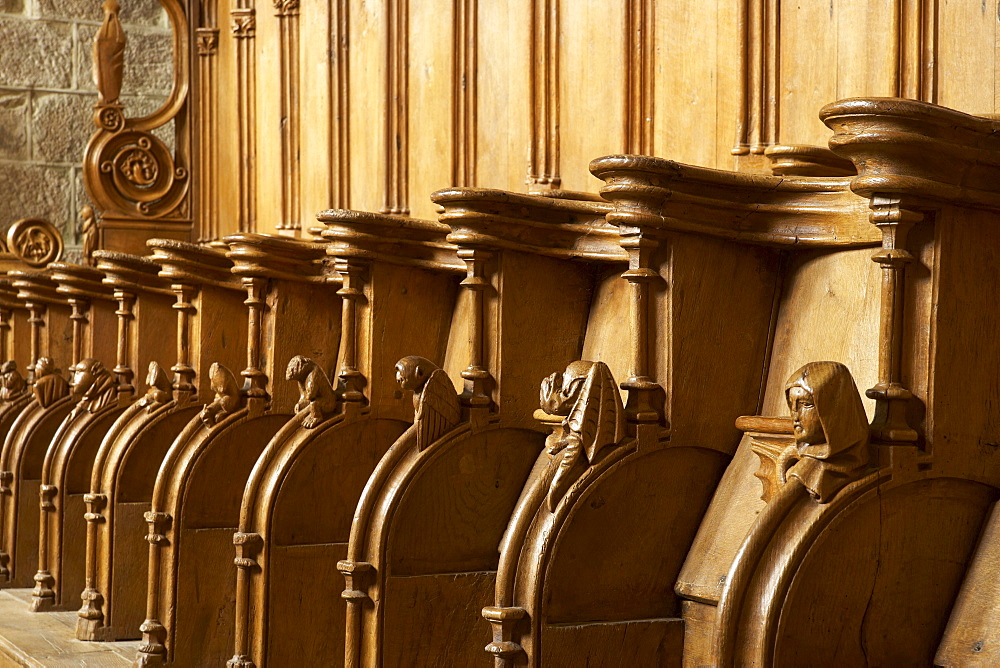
(586, 395)
(435, 402)
(49, 386)
(831, 429)
(315, 390)
(12, 384)
(227, 394)
(93, 385)
(88, 229)
(159, 390)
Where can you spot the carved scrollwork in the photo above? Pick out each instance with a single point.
(49, 386)
(137, 174)
(160, 391)
(12, 384)
(316, 393)
(35, 241)
(586, 394)
(831, 429)
(435, 402)
(227, 394)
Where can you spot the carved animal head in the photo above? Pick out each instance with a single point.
(160, 390)
(561, 391)
(298, 368)
(413, 371)
(8, 367)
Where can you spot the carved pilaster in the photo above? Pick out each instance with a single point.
(79, 308)
(352, 381)
(758, 49)
(153, 651)
(892, 398)
(543, 96)
(244, 30)
(183, 371)
(248, 547)
(43, 597)
(291, 205)
(358, 576)
(915, 32)
(340, 91)
(397, 73)
(465, 36)
(123, 372)
(506, 651)
(208, 47)
(90, 616)
(36, 320)
(478, 380)
(640, 50)
(255, 386)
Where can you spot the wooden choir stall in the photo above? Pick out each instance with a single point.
(464, 334)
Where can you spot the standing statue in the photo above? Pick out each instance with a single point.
(831, 428)
(109, 55)
(586, 394)
(49, 386)
(88, 229)
(12, 384)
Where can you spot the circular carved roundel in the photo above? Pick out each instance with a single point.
(35, 241)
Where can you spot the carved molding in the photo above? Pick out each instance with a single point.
(465, 48)
(397, 107)
(543, 161)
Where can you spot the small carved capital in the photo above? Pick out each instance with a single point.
(248, 546)
(47, 493)
(244, 22)
(504, 621)
(207, 40)
(357, 576)
(286, 7)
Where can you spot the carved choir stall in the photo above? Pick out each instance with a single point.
(443, 367)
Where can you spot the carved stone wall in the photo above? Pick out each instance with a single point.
(47, 94)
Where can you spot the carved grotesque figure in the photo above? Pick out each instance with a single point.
(587, 396)
(93, 385)
(315, 391)
(12, 384)
(160, 391)
(831, 428)
(227, 394)
(49, 386)
(435, 403)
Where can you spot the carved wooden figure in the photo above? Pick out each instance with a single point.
(423, 546)
(57, 337)
(197, 285)
(196, 498)
(295, 520)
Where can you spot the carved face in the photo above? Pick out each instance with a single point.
(808, 428)
(43, 367)
(83, 378)
(411, 374)
(560, 392)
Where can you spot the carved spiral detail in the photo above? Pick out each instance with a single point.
(137, 172)
(35, 241)
(110, 119)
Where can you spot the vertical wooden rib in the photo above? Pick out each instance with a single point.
(742, 144)
(287, 12)
(244, 29)
(464, 79)
(915, 29)
(208, 48)
(543, 167)
(397, 69)
(771, 55)
(340, 135)
(639, 79)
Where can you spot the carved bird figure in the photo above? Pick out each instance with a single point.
(435, 402)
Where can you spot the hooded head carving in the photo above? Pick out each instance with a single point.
(831, 428)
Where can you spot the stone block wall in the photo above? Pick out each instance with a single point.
(47, 93)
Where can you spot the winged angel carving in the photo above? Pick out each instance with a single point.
(587, 396)
(435, 402)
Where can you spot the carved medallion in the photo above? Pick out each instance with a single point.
(35, 241)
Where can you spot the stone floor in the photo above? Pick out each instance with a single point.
(47, 639)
